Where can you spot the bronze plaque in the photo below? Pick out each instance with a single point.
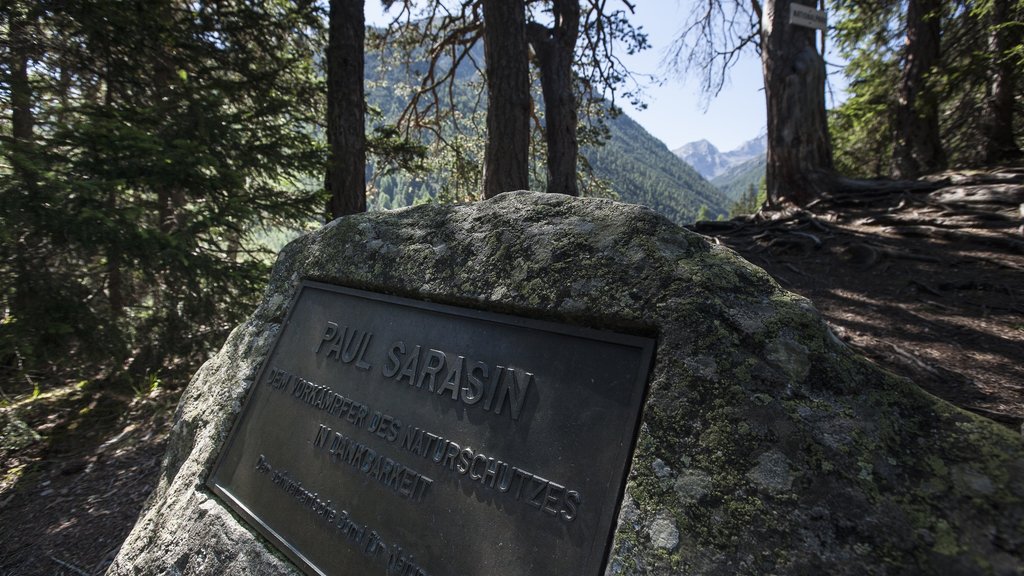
(390, 436)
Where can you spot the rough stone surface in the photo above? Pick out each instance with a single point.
(664, 534)
(778, 450)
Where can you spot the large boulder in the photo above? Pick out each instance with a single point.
(766, 446)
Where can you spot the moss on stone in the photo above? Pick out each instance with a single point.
(765, 443)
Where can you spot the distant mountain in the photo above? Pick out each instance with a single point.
(710, 162)
(703, 156)
(749, 149)
(738, 179)
(642, 170)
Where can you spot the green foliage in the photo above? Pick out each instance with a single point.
(172, 146)
(702, 213)
(868, 35)
(871, 37)
(735, 181)
(750, 201)
(150, 383)
(392, 151)
(641, 170)
(165, 139)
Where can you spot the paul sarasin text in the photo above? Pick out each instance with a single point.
(472, 382)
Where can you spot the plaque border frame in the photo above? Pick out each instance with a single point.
(641, 382)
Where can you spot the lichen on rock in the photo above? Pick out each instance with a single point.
(766, 446)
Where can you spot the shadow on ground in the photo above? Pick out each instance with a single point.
(926, 280)
(68, 500)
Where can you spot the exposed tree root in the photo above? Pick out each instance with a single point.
(925, 277)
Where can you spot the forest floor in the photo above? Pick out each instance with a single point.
(926, 279)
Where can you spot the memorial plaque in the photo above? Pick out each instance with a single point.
(391, 436)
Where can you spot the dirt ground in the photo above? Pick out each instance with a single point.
(926, 279)
(68, 500)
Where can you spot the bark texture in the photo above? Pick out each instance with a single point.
(1000, 144)
(553, 48)
(506, 160)
(22, 138)
(346, 110)
(917, 147)
(22, 119)
(799, 148)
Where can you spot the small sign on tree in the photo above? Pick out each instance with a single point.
(800, 15)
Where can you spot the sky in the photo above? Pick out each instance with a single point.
(676, 112)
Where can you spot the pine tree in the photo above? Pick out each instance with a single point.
(1005, 35)
(167, 135)
(918, 147)
(911, 111)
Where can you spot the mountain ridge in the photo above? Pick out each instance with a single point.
(710, 162)
(732, 172)
(739, 178)
(642, 170)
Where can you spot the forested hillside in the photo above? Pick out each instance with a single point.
(732, 172)
(631, 165)
(642, 170)
(738, 179)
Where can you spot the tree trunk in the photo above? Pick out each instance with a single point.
(799, 149)
(22, 119)
(25, 258)
(346, 110)
(553, 49)
(115, 281)
(917, 146)
(506, 159)
(115, 289)
(1000, 144)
